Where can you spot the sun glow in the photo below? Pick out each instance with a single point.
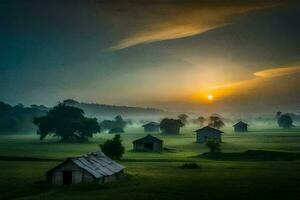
(210, 97)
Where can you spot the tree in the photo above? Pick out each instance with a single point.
(107, 124)
(66, 122)
(216, 122)
(201, 120)
(278, 114)
(119, 122)
(214, 146)
(116, 130)
(171, 126)
(114, 126)
(113, 148)
(183, 118)
(285, 121)
(5, 108)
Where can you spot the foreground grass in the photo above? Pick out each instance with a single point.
(157, 175)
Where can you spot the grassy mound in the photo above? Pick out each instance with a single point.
(190, 166)
(254, 155)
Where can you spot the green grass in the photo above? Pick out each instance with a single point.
(254, 155)
(24, 160)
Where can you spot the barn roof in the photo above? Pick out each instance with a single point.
(97, 164)
(151, 124)
(208, 129)
(147, 138)
(240, 123)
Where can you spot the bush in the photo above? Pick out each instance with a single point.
(113, 148)
(285, 121)
(214, 146)
(190, 166)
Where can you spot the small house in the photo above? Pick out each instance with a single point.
(151, 127)
(148, 143)
(171, 126)
(92, 167)
(241, 127)
(208, 133)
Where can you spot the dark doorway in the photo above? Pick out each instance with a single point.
(67, 177)
(149, 146)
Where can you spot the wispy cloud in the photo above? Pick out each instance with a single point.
(158, 22)
(282, 71)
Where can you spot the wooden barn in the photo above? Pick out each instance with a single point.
(240, 127)
(151, 127)
(92, 167)
(208, 133)
(148, 143)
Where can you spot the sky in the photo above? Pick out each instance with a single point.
(206, 56)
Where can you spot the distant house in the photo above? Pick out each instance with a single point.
(148, 143)
(171, 126)
(208, 133)
(151, 127)
(241, 127)
(93, 167)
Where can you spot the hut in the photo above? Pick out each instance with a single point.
(171, 126)
(148, 143)
(92, 167)
(151, 127)
(208, 133)
(240, 127)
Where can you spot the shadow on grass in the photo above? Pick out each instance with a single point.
(17, 158)
(253, 155)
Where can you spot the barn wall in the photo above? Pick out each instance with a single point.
(151, 129)
(157, 146)
(78, 174)
(138, 147)
(203, 136)
(240, 129)
(87, 177)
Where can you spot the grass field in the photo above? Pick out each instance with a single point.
(157, 175)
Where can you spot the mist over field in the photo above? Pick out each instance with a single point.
(149, 99)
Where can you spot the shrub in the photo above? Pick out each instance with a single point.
(113, 148)
(214, 146)
(190, 166)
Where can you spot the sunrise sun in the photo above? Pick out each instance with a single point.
(210, 97)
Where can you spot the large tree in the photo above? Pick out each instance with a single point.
(201, 120)
(216, 121)
(183, 118)
(285, 121)
(66, 122)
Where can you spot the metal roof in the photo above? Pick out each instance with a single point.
(155, 124)
(97, 164)
(147, 138)
(240, 123)
(209, 129)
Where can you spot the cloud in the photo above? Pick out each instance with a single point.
(165, 21)
(269, 73)
(262, 79)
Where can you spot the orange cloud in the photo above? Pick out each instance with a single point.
(244, 85)
(277, 72)
(164, 21)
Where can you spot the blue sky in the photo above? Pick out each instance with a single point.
(163, 54)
